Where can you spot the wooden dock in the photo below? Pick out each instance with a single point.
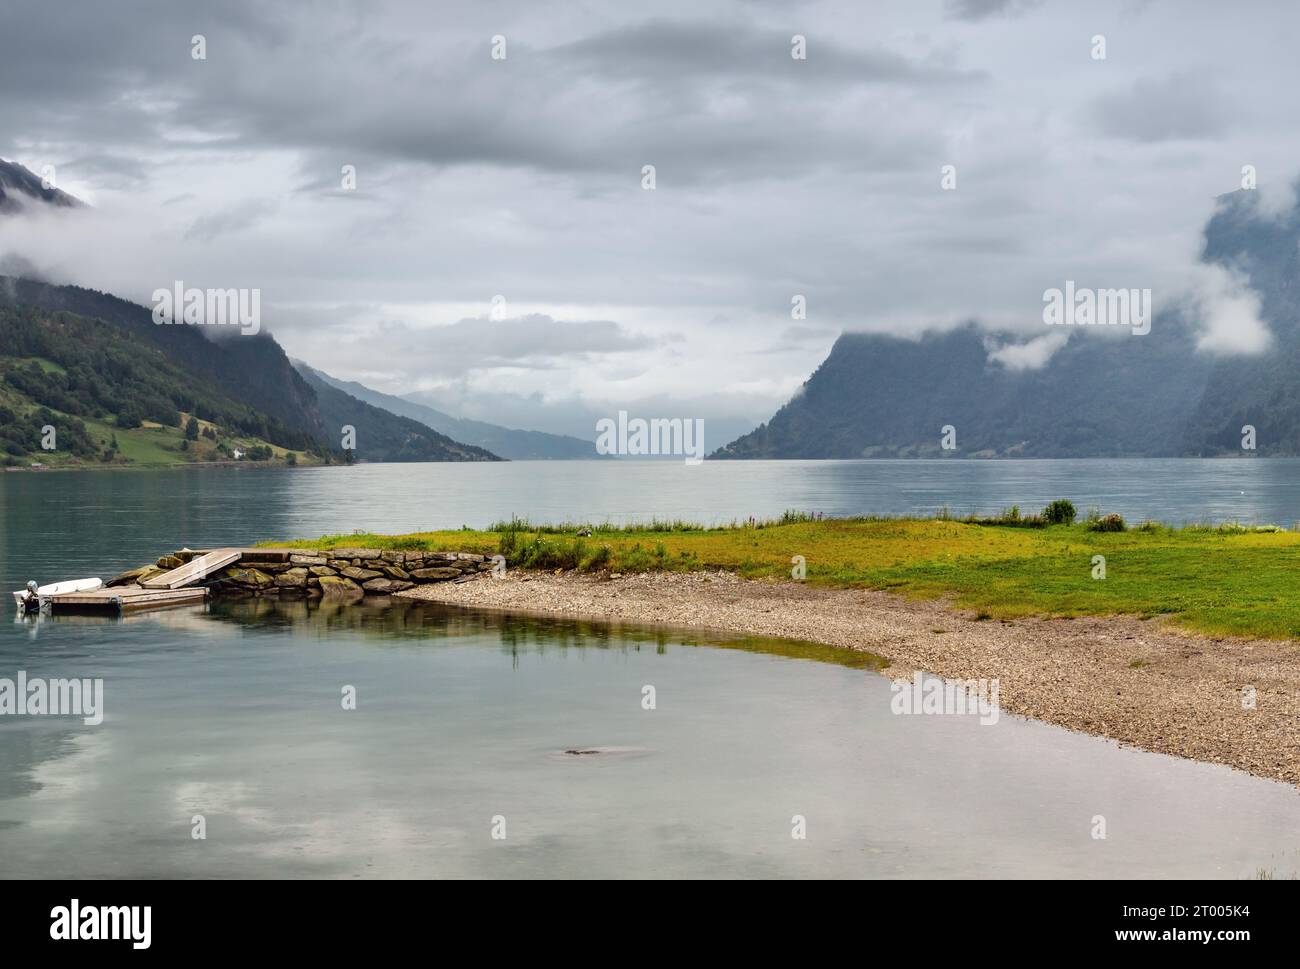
(127, 597)
(177, 587)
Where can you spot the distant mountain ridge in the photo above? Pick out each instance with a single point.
(379, 431)
(514, 445)
(1103, 394)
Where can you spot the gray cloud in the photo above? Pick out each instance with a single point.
(1180, 105)
(522, 177)
(984, 9)
(237, 218)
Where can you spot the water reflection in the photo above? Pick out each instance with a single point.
(396, 619)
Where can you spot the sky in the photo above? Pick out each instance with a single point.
(500, 255)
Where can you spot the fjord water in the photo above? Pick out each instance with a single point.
(233, 711)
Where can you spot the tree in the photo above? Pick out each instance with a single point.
(192, 430)
(129, 416)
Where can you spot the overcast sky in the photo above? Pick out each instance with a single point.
(522, 177)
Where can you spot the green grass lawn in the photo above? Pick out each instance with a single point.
(1225, 580)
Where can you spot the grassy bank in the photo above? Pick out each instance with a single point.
(1225, 580)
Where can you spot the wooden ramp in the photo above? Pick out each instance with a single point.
(127, 597)
(196, 570)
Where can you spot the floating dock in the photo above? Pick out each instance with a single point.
(124, 598)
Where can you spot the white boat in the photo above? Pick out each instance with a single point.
(61, 588)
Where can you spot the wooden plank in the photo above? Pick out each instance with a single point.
(126, 597)
(196, 569)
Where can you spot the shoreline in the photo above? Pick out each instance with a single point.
(1139, 682)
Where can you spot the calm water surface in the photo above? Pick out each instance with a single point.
(233, 712)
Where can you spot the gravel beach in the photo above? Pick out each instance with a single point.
(1135, 681)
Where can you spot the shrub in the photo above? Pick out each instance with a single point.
(598, 559)
(1107, 523)
(1059, 512)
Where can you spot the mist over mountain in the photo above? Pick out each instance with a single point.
(1080, 391)
(252, 369)
(382, 435)
(510, 443)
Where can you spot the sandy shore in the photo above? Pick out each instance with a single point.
(1134, 681)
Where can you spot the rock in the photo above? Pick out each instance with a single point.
(469, 557)
(271, 568)
(360, 575)
(249, 578)
(169, 562)
(151, 573)
(355, 553)
(307, 559)
(128, 577)
(393, 572)
(340, 563)
(397, 558)
(387, 586)
(294, 577)
(319, 570)
(435, 575)
(337, 587)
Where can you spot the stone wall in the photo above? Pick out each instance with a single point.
(337, 573)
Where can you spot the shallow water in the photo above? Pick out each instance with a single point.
(234, 713)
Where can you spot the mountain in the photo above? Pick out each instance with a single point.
(112, 398)
(242, 383)
(1103, 394)
(514, 445)
(21, 189)
(384, 436)
(251, 369)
